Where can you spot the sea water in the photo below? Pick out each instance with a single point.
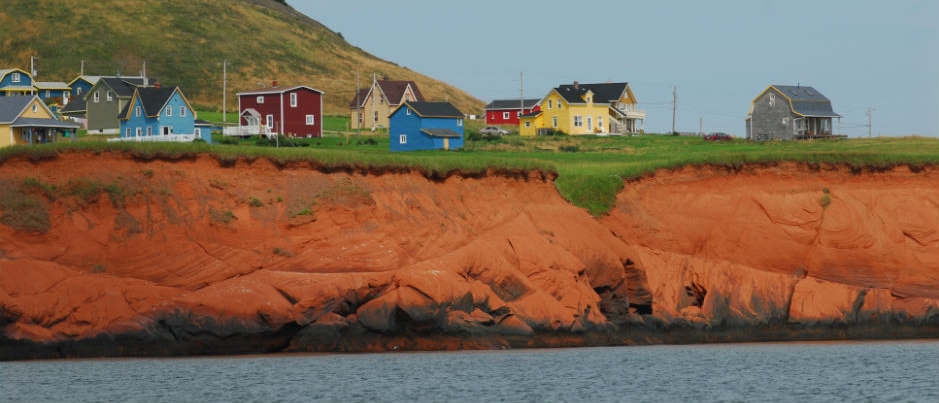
(884, 371)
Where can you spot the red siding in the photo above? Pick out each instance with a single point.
(288, 120)
(495, 116)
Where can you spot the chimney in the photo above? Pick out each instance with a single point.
(576, 85)
(156, 84)
(275, 83)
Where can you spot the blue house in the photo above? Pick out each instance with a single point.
(425, 126)
(16, 82)
(157, 114)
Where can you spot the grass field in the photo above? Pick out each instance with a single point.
(590, 170)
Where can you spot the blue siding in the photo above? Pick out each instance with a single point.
(401, 123)
(84, 85)
(179, 124)
(7, 81)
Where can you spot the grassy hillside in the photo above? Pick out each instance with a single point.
(184, 42)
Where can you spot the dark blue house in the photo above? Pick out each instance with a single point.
(425, 126)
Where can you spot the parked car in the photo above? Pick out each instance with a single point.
(493, 131)
(718, 137)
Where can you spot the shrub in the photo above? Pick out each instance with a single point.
(255, 202)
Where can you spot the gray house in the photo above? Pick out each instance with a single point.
(104, 101)
(788, 112)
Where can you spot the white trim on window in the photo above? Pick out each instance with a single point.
(293, 99)
(505, 115)
(182, 111)
(110, 96)
(97, 96)
(137, 111)
(270, 121)
(260, 99)
(310, 120)
(169, 110)
(403, 139)
(138, 132)
(16, 77)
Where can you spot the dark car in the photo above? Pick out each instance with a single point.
(719, 136)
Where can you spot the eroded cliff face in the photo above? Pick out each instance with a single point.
(105, 254)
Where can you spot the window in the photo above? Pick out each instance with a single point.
(589, 99)
(785, 121)
(403, 139)
(578, 121)
(772, 99)
(169, 110)
(110, 96)
(97, 96)
(554, 122)
(198, 133)
(127, 132)
(550, 103)
(48, 94)
(35, 108)
(600, 122)
(375, 115)
(527, 124)
(505, 115)
(167, 130)
(407, 111)
(310, 120)
(270, 121)
(293, 99)
(260, 99)
(590, 123)
(149, 131)
(137, 111)
(138, 132)
(518, 114)
(16, 77)
(559, 104)
(182, 111)
(360, 118)
(459, 122)
(78, 91)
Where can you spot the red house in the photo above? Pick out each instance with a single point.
(287, 111)
(506, 111)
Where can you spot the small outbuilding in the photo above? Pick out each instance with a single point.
(426, 126)
(788, 112)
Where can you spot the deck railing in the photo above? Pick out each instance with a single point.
(244, 131)
(179, 138)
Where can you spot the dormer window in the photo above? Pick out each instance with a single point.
(15, 77)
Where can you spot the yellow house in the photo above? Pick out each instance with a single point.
(27, 120)
(371, 107)
(607, 108)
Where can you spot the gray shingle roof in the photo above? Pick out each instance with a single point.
(152, 99)
(440, 132)
(602, 92)
(807, 101)
(12, 107)
(44, 122)
(435, 109)
(512, 103)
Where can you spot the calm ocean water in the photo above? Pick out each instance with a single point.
(894, 371)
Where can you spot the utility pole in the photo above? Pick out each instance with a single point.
(870, 113)
(521, 95)
(224, 90)
(674, 107)
(358, 106)
(32, 67)
(701, 126)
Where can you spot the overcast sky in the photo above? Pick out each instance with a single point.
(719, 54)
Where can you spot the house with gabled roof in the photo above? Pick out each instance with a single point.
(292, 111)
(157, 114)
(604, 108)
(507, 111)
(425, 126)
(16, 82)
(371, 107)
(788, 112)
(54, 93)
(25, 119)
(105, 100)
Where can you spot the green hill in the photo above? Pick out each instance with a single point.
(184, 42)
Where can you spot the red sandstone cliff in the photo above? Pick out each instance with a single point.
(190, 256)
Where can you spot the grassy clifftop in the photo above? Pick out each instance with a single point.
(184, 42)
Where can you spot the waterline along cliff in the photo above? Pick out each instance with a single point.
(108, 254)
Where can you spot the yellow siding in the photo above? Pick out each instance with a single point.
(13, 136)
(369, 107)
(6, 135)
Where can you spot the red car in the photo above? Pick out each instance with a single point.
(718, 137)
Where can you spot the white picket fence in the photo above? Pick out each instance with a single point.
(179, 138)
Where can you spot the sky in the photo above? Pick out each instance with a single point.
(877, 61)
